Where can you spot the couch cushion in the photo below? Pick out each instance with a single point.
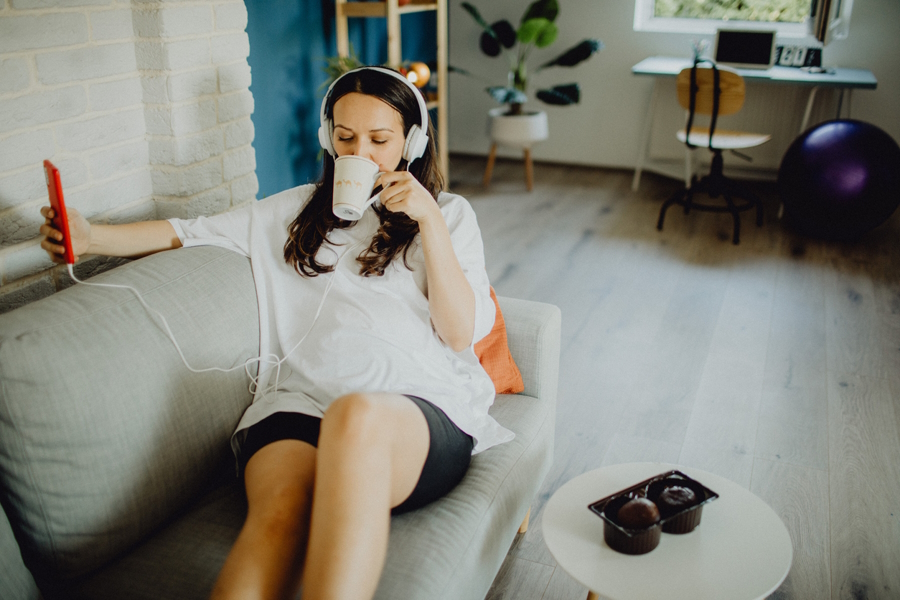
(494, 355)
(98, 448)
(455, 544)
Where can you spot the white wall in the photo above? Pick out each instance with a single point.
(144, 107)
(604, 129)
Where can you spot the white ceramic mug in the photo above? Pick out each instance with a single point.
(354, 180)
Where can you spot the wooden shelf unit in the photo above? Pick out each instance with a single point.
(391, 10)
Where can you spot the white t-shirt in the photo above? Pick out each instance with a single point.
(373, 334)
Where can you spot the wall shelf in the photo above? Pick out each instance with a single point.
(392, 11)
(380, 9)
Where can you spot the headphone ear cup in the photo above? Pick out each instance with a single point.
(325, 140)
(416, 143)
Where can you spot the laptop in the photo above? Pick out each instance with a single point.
(745, 49)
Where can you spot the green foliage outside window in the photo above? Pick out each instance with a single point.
(781, 11)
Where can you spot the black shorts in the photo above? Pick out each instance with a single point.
(449, 450)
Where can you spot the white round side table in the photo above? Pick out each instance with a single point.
(741, 550)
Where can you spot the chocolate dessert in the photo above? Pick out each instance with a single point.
(675, 498)
(670, 502)
(638, 513)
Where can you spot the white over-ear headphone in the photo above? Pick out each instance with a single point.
(416, 139)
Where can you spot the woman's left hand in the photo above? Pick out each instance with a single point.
(403, 193)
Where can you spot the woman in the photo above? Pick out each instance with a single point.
(380, 401)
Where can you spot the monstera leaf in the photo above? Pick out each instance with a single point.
(540, 31)
(507, 95)
(489, 44)
(574, 55)
(561, 95)
(478, 19)
(542, 9)
(505, 32)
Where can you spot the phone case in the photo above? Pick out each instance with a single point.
(60, 218)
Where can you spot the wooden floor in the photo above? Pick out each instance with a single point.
(775, 363)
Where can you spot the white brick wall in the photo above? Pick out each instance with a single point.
(142, 104)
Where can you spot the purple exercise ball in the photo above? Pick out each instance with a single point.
(840, 179)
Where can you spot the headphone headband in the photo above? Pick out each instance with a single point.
(416, 139)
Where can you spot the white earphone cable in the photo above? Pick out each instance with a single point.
(270, 359)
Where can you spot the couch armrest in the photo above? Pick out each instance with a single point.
(533, 332)
(16, 582)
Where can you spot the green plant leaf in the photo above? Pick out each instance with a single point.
(531, 29)
(542, 9)
(452, 69)
(489, 45)
(335, 66)
(507, 95)
(560, 95)
(478, 18)
(506, 34)
(547, 35)
(574, 55)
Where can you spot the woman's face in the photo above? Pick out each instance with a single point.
(366, 126)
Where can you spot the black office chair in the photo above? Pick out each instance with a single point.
(714, 91)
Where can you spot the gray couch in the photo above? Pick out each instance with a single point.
(116, 477)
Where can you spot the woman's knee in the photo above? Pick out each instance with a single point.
(353, 418)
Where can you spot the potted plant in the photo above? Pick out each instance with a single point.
(510, 124)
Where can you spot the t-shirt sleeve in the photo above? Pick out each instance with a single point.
(465, 235)
(230, 230)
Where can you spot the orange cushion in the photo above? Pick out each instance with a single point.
(493, 353)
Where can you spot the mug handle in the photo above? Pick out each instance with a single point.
(376, 197)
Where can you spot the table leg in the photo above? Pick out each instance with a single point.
(529, 170)
(840, 108)
(489, 170)
(809, 105)
(644, 142)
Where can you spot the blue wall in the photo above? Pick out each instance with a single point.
(289, 41)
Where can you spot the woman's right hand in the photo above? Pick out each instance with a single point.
(79, 228)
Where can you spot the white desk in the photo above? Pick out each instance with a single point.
(844, 80)
(740, 551)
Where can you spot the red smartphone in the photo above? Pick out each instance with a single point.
(60, 217)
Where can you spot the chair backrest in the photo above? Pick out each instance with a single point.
(731, 86)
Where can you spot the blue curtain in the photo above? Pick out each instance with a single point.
(289, 42)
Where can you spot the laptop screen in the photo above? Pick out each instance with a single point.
(745, 49)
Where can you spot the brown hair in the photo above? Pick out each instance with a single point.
(395, 235)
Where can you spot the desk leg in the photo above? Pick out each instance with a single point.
(849, 93)
(809, 105)
(643, 148)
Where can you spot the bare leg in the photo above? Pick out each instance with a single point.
(371, 451)
(266, 561)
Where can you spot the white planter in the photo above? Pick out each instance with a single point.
(517, 131)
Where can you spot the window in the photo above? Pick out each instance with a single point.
(789, 18)
(773, 11)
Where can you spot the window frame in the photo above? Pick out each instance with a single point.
(645, 21)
